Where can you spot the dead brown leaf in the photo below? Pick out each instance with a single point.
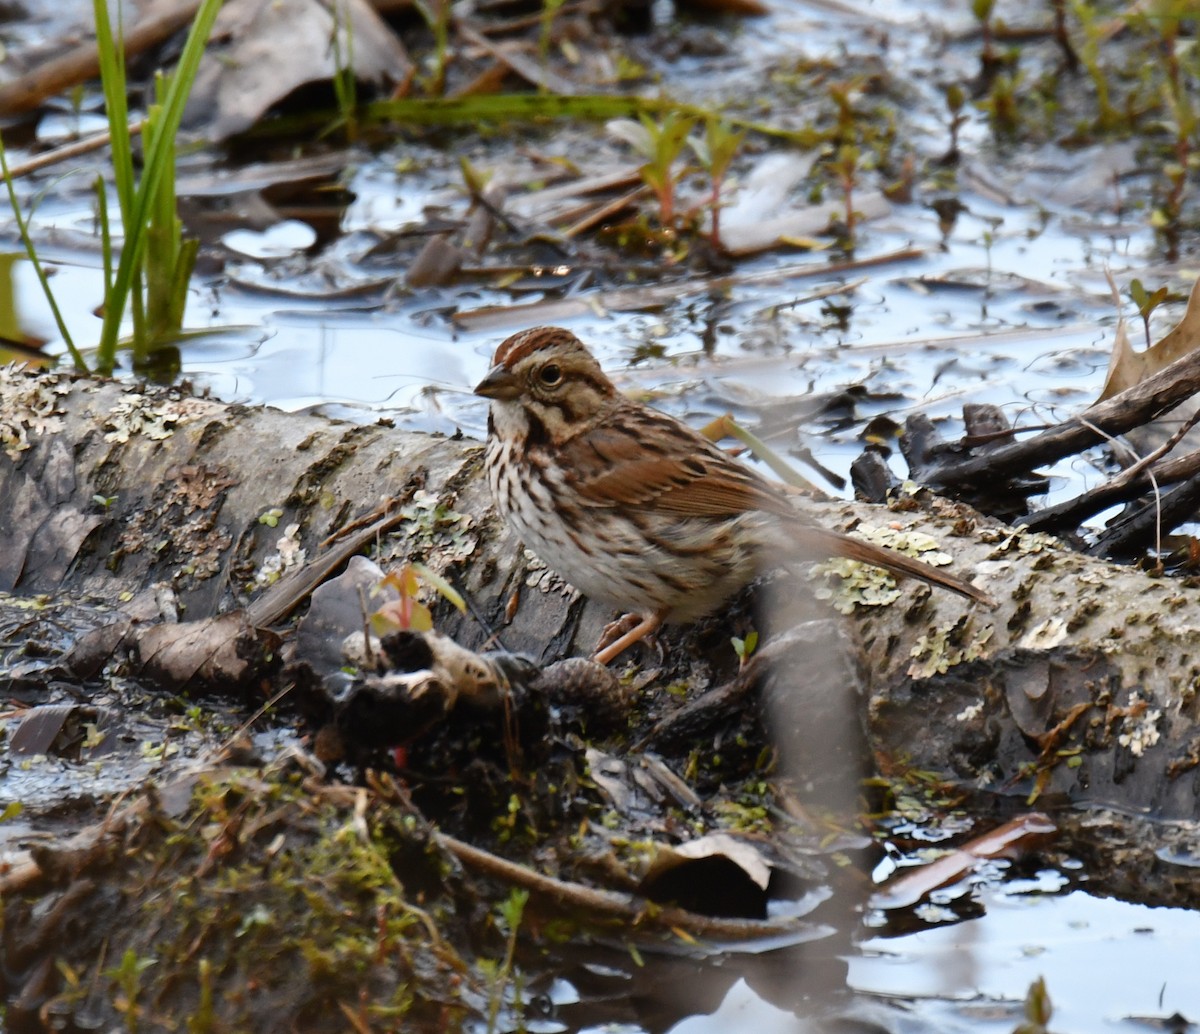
(261, 52)
(222, 652)
(1127, 367)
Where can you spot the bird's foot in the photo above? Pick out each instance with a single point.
(618, 636)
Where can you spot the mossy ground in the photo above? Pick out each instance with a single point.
(269, 904)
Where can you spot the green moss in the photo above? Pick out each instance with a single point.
(267, 908)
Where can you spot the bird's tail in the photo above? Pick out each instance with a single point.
(820, 541)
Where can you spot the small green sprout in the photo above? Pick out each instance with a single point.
(1147, 303)
(549, 9)
(715, 151)
(1037, 1009)
(408, 612)
(661, 144)
(845, 168)
(511, 911)
(744, 648)
(956, 99)
(437, 16)
(128, 978)
(345, 83)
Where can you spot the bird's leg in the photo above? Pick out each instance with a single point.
(617, 628)
(625, 636)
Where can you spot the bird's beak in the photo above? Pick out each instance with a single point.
(498, 384)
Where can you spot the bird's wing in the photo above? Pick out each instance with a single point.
(648, 460)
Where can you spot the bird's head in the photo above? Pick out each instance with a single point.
(548, 381)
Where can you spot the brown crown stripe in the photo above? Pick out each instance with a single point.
(513, 349)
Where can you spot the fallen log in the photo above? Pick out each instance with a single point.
(1081, 683)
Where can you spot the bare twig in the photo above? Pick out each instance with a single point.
(1146, 461)
(1128, 536)
(1149, 473)
(68, 151)
(1134, 406)
(82, 63)
(1071, 512)
(627, 908)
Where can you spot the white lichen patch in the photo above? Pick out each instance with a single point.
(289, 554)
(969, 714)
(906, 540)
(29, 407)
(153, 418)
(1141, 727)
(942, 649)
(857, 585)
(1045, 634)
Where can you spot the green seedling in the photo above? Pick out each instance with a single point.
(408, 612)
(345, 84)
(846, 118)
(437, 16)
(1002, 105)
(1147, 303)
(661, 144)
(550, 9)
(715, 151)
(128, 978)
(744, 648)
(203, 1020)
(511, 910)
(983, 9)
(845, 167)
(1108, 117)
(1037, 1010)
(956, 100)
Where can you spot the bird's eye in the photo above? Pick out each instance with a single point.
(550, 374)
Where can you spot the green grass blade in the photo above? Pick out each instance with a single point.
(116, 106)
(159, 151)
(106, 247)
(23, 228)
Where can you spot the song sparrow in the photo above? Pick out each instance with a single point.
(633, 507)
